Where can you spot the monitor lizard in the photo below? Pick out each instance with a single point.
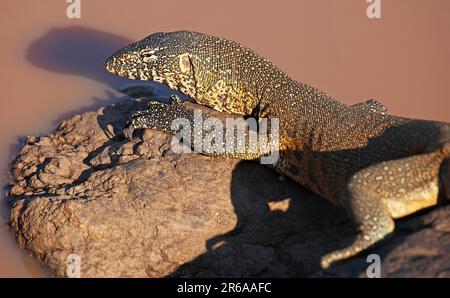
(378, 167)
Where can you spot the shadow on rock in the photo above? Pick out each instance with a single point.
(82, 51)
(282, 230)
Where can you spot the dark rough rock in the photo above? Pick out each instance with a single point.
(138, 209)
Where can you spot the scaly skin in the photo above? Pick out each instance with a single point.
(377, 166)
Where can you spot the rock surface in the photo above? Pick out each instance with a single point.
(138, 209)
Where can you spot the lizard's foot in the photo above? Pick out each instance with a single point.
(375, 224)
(365, 239)
(158, 116)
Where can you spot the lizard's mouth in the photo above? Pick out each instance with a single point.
(124, 69)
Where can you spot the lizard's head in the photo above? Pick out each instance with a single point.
(160, 57)
(209, 69)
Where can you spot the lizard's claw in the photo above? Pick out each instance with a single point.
(128, 130)
(134, 123)
(150, 105)
(175, 99)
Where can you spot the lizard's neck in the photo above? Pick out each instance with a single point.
(292, 101)
(301, 109)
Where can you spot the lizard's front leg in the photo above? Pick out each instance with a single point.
(158, 116)
(245, 143)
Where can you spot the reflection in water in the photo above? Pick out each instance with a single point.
(81, 51)
(13, 262)
(78, 51)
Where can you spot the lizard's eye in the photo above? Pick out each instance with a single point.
(185, 62)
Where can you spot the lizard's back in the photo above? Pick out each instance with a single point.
(323, 154)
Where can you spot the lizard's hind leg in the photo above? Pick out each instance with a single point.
(446, 177)
(446, 170)
(374, 196)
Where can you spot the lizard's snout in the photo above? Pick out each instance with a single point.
(109, 65)
(123, 65)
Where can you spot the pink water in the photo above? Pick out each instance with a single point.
(52, 67)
